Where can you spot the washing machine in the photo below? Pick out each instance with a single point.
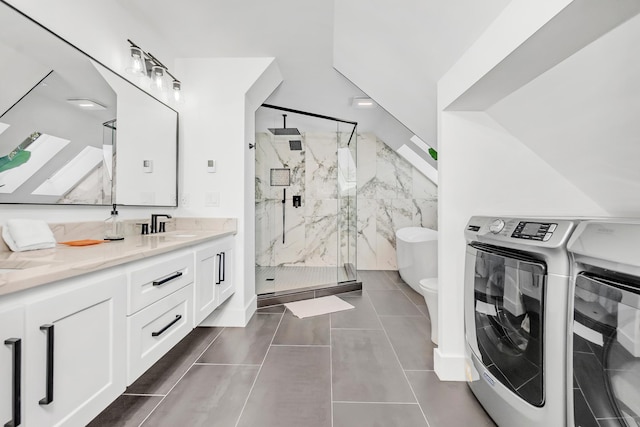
(516, 315)
(604, 345)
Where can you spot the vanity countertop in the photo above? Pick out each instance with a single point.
(23, 270)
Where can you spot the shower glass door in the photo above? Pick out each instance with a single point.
(305, 201)
(347, 136)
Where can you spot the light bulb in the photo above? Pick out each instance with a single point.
(136, 63)
(177, 92)
(157, 77)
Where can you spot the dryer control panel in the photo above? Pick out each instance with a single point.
(534, 230)
(521, 232)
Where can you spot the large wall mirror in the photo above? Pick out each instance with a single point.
(73, 131)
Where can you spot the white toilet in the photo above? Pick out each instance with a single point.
(429, 290)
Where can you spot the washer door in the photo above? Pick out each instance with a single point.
(504, 317)
(606, 350)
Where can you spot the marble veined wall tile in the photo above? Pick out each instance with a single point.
(321, 243)
(321, 166)
(367, 234)
(386, 185)
(423, 188)
(366, 165)
(404, 172)
(292, 251)
(426, 213)
(404, 212)
(391, 194)
(384, 220)
(265, 232)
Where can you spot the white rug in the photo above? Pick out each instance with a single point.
(317, 306)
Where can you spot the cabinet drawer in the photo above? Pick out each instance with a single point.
(156, 329)
(158, 278)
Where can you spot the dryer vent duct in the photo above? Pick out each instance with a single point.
(284, 130)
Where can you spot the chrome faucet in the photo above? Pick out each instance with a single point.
(154, 222)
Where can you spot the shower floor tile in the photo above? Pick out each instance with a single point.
(293, 278)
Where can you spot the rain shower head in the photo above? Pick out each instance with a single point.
(284, 130)
(295, 145)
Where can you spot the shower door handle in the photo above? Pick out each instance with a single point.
(284, 205)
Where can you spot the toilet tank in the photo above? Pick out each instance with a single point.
(417, 254)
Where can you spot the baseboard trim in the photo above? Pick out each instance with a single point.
(449, 367)
(228, 315)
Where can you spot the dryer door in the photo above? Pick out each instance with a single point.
(606, 350)
(504, 317)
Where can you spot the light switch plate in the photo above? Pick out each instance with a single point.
(212, 199)
(211, 166)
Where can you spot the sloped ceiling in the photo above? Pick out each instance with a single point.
(582, 118)
(300, 35)
(398, 52)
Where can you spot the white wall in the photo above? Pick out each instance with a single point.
(222, 97)
(582, 118)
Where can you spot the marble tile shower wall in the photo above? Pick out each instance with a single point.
(390, 194)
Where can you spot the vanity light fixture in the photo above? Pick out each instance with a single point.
(145, 64)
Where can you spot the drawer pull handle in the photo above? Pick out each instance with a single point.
(50, 344)
(161, 331)
(167, 279)
(224, 265)
(16, 347)
(219, 258)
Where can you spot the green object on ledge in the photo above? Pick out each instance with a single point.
(14, 159)
(433, 153)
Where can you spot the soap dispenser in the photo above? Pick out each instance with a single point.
(113, 227)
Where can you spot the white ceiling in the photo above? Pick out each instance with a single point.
(300, 35)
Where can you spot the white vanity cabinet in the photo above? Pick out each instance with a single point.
(11, 366)
(75, 350)
(214, 282)
(160, 309)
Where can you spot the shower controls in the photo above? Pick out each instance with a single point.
(297, 201)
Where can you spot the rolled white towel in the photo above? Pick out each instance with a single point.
(27, 235)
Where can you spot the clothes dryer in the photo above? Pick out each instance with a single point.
(516, 298)
(604, 345)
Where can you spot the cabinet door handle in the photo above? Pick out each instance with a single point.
(50, 344)
(161, 331)
(16, 347)
(224, 265)
(167, 279)
(219, 258)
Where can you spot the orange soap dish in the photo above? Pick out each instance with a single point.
(85, 242)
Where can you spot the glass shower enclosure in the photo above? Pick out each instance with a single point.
(306, 186)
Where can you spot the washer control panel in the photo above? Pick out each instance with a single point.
(541, 231)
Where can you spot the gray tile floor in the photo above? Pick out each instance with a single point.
(369, 366)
